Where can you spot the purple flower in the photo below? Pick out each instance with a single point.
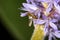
(47, 23)
(35, 11)
(29, 8)
(53, 34)
(57, 7)
(23, 14)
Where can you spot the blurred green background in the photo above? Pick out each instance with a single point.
(16, 25)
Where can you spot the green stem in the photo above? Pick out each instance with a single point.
(38, 33)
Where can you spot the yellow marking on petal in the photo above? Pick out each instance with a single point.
(50, 13)
(45, 4)
(38, 33)
(46, 14)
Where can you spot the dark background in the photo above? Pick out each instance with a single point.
(5, 35)
(11, 24)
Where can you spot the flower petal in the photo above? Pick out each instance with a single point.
(53, 26)
(54, 37)
(37, 13)
(54, 20)
(57, 7)
(57, 34)
(23, 14)
(56, 1)
(46, 27)
(27, 9)
(28, 1)
(50, 36)
(56, 15)
(41, 0)
(49, 9)
(30, 6)
(44, 17)
(38, 21)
